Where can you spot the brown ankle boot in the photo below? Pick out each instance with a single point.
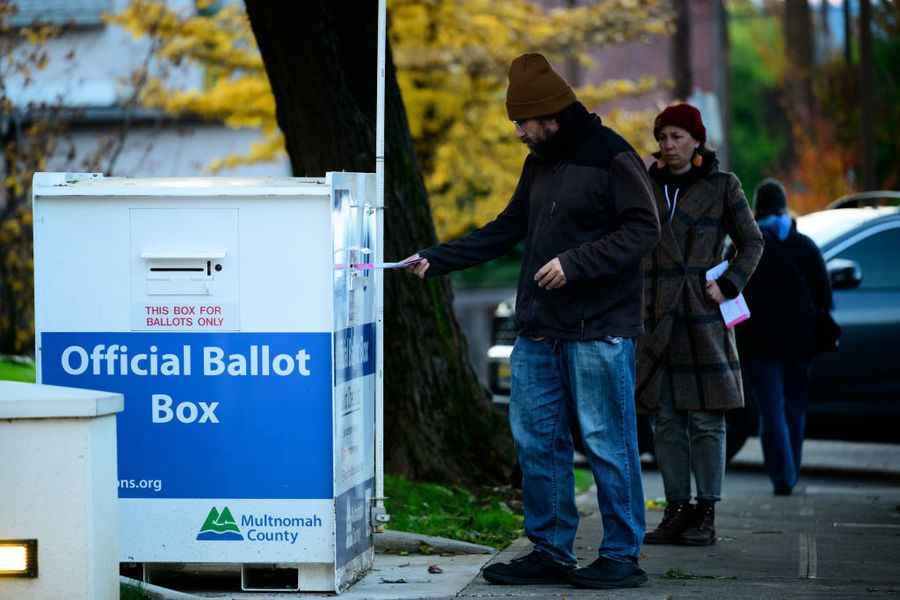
(677, 518)
(702, 532)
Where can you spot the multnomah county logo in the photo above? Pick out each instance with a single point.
(219, 526)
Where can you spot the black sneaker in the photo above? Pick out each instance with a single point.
(678, 517)
(702, 531)
(535, 568)
(605, 574)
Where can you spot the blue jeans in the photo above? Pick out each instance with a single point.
(555, 382)
(781, 389)
(685, 442)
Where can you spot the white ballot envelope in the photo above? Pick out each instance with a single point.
(402, 264)
(733, 311)
(366, 266)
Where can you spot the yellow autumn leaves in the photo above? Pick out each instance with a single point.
(451, 58)
(236, 89)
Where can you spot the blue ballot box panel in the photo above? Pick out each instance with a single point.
(221, 415)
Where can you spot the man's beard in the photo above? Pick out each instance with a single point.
(539, 147)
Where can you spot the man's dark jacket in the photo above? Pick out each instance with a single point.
(585, 199)
(789, 287)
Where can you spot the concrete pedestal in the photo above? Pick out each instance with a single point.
(58, 482)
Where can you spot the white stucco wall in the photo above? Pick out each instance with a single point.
(165, 151)
(90, 66)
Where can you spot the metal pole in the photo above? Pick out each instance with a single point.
(848, 33)
(380, 516)
(867, 104)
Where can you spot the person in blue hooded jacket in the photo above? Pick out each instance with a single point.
(787, 295)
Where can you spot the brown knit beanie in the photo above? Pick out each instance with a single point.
(681, 115)
(535, 89)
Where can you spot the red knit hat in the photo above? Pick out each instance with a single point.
(535, 89)
(681, 115)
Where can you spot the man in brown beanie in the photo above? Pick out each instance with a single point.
(585, 210)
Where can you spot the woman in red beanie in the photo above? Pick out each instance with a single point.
(688, 373)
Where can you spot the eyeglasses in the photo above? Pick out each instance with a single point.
(521, 122)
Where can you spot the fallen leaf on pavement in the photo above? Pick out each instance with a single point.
(679, 574)
(655, 503)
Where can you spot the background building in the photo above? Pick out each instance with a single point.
(91, 83)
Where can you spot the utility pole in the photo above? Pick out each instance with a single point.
(798, 35)
(573, 71)
(865, 90)
(682, 69)
(848, 33)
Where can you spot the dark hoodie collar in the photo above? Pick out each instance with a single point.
(575, 124)
(662, 175)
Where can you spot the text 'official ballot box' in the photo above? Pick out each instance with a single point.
(237, 318)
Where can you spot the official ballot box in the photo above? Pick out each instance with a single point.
(237, 318)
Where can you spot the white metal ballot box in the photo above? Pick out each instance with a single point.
(237, 317)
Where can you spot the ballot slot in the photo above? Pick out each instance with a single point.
(168, 274)
(184, 274)
(181, 269)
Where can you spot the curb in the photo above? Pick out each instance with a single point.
(404, 541)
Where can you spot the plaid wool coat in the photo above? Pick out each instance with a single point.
(686, 345)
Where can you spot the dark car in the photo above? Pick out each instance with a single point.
(855, 392)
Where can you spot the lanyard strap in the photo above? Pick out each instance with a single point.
(671, 204)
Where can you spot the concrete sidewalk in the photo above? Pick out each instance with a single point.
(833, 457)
(824, 542)
(837, 537)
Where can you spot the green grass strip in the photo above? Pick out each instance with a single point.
(490, 516)
(16, 371)
(131, 592)
(584, 479)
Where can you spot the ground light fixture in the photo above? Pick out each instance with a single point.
(18, 558)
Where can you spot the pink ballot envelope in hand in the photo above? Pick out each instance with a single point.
(733, 311)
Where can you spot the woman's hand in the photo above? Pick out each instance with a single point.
(714, 293)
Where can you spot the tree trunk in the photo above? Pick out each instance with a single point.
(320, 58)
(16, 248)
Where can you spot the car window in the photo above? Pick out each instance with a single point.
(877, 259)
